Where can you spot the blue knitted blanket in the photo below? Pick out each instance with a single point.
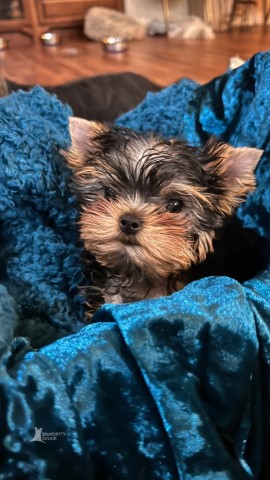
(164, 389)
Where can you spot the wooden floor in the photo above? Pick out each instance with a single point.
(159, 58)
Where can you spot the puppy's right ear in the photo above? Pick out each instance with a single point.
(83, 134)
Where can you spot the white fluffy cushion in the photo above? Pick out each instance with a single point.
(101, 22)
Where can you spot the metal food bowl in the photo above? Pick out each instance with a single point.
(50, 39)
(114, 44)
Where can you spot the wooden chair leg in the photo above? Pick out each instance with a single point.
(166, 15)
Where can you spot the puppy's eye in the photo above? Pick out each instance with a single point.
(174, 205)
(109, 193)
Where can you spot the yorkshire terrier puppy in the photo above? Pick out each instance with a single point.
(150, 208)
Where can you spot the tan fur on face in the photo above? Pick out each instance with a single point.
(204, 245)
(163, 245)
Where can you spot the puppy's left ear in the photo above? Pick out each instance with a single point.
(231, 172)
(83, 134)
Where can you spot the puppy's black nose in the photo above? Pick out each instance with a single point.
(130, 225)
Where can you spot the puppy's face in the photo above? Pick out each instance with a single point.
(153, 205)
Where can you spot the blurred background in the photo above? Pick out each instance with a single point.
(165, 39)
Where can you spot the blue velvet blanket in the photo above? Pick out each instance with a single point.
(164, 389)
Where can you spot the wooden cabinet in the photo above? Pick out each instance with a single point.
(14, 16)
(34, 17)
(69, 12)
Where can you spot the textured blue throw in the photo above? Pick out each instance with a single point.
(165, 389)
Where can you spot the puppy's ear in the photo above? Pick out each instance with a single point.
(83, 134)
(231, 172)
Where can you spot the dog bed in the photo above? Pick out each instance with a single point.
(102, 22)
(170, 388)
(101, 97)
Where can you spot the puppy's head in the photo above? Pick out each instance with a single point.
(149, 204)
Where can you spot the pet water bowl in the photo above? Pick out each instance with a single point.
(50, 39)
(114, 44)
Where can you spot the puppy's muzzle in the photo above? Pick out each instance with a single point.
(130, 224)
